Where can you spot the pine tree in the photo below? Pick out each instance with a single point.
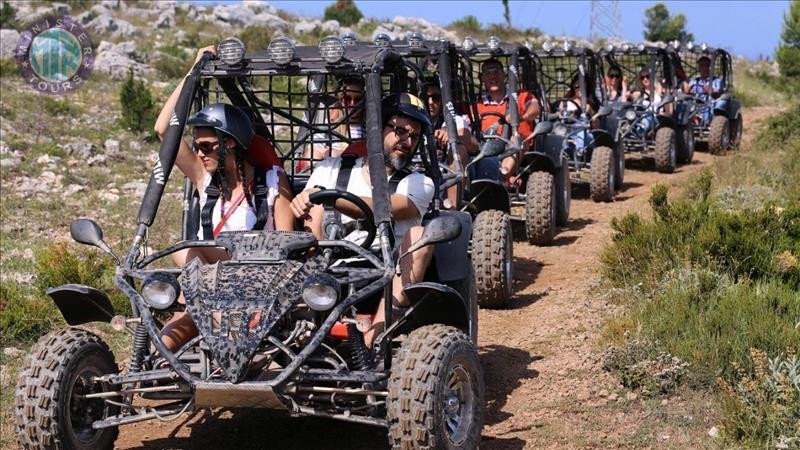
(138, 106)
(343, 11)
(788, 53)
(659, 26)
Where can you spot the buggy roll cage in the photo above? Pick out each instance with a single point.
(632, 60)
(580, 61)
(721, 62)
(370, 62)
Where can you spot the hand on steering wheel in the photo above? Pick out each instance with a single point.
(328, 197)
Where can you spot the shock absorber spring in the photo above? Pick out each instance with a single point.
(141, 343)
(358, 349)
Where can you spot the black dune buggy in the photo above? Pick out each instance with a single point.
(579, 133)
(485, 198)
(652, 123)
(718, 121)
(280, 322)
(541, 182)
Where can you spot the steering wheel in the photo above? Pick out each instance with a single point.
(328, 199)
(500, 116)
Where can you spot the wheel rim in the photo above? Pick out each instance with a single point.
(508, 267)
(83, 412)
(459, 404)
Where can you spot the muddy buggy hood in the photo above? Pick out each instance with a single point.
(236, 303)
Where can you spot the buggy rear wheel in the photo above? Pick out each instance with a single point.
(49, 408)
(719, 134)
(686, 144)
(492, 256)
(603, 180)
(435, 391)
(665, 152)
(540, 208)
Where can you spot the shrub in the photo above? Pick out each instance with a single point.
(137, 104)
(343, 11)
(8, 16)
(467, 24)
(23, 316)
(256, 37)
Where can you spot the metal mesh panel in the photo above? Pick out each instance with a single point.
(557, 72)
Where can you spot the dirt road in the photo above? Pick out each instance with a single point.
(541, 357)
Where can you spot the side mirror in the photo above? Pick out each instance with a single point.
(440, 229)
(543, 127)
(667, 100)
(86, 231)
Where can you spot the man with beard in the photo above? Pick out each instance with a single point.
(404, 120)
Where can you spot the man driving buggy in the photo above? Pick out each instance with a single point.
(405, 118)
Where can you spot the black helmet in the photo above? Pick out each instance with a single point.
(226, 119)
(407, 105)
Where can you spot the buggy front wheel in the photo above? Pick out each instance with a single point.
(736, 132)
(719, 134)
(603, 168)
(665, 152)
(540, 208)
(50, 408)
(686, 144)
(435, 391)
(492, 249)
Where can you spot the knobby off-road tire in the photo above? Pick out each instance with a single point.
(540, 208)
(686, 144)
(59, 367)
(736, 132)
(601, 188)
(719, 135)
(492, 256)
(436, 391)
(619, 179)
(666, 152)
(563, 194)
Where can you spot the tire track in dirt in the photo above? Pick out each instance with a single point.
(540, 354)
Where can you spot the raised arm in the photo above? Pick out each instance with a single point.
(187, 161)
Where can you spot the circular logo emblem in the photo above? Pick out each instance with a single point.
(54, 55)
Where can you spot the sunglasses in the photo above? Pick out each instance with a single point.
(206, 147)
(435, 97)
(403, 133)
(613, 76)
(644, 77)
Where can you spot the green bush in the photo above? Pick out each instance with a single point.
(8, 16)
(467, 24)
(137, 104)
(343, 11)
(25, 316)
(256, 38)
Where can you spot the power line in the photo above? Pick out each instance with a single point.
(606, 21)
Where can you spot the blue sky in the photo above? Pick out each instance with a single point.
(749, 28)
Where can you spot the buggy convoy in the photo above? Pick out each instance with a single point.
(658, 122)
(280, 322)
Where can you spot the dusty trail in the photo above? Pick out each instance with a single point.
(545, 384)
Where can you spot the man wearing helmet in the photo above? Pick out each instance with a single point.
(404, 120)
(218, 162)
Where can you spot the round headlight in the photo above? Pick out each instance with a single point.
(703, 46)
(416, 40)
(689, 45)
(640, 47)
(626, 47)
(547, 46)
(468, 44)
(676, 44)
(566, 46)
(528, 45)
(350, 39)
(331, 49)
(230, 51)
(609, 48)
(630, 115)
(320, 292)
(160, 290)
(493, 43)
(382, 40)
(281, 50)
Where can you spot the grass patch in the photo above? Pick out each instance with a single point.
(716, 286)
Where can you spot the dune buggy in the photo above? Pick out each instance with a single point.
(574, 88)
(485, 198)
(540, 184)
(649, 122)
(718, 121)
(280, 322)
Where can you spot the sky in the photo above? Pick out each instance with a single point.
(749, 28)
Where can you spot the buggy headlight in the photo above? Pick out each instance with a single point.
(626, 47)
(566, 46)
(159, 290)
(703, 46)
(281, 50)
(676, 44)
(350, 39)
(320, 292)
(230, 51)
(689, 45)
(468, 44)
(331, 49)
(382, 40)
(493, 43)
(416, 40)
(609, 48)
(547, 46)
(640, 47)
(630, 115)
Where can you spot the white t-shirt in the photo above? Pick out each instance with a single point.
(243, 217)
(416, 186)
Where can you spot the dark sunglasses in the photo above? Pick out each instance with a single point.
(643, 77)
(403, 133)
(206, 147)
(436, 97)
